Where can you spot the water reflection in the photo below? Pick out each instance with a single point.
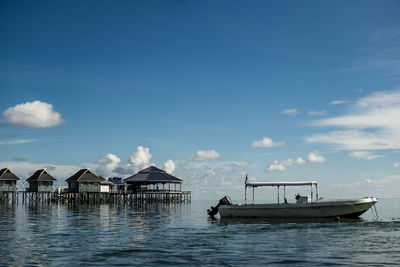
(229, 221)
(8, 230)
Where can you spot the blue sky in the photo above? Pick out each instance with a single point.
(119, 86)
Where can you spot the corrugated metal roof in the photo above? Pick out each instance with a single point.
(41, 175)
(7, 175)
(152, 175)
(84, 175)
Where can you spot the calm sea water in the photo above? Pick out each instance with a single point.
(183, 235)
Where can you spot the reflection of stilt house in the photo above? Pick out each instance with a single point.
(41, 181)
(153, 179)
(84, 181)
(8, 181)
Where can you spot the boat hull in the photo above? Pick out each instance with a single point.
(318, 209)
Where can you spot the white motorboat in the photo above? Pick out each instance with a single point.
(304, 207)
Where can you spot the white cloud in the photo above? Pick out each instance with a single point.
(16, 142)
(316, 112)
(34, 114)
(371, 124)
(282, 166)
(300, 161)
(275, 166)
(204, 155)
(169, 166)
(266, 142)
(140, 159)
(290, 112)
(288, 162)
(396, 165)
(363, 155)
(315, 157)
(107, 165)
(212, 179)
(338, 102)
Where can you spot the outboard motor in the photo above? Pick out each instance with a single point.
(223, 201)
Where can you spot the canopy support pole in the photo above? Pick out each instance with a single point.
(278, 194)
(245, 194)
(284, 194)
(316, 191)
(253, 195)
(311, 194)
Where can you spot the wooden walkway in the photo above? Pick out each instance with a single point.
(148, 196)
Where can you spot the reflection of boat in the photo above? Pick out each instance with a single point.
(305, 206)
(231, 221)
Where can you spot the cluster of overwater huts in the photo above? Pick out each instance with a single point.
(84, 180)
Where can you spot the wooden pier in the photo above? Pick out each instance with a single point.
(6, 197)
(151, 185)
(148, 196)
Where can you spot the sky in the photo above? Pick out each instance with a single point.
(207, 90)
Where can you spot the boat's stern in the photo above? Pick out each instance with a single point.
(223, 201)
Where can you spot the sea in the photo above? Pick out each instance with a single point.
(182, 234)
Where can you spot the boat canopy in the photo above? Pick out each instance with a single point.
(279, 184)
(257, 184)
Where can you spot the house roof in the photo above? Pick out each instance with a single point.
(7, 175)
(84, 175)
(152, 175)
(41, 175)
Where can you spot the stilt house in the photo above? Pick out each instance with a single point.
(41, 181)
(8, 181)
(153, 179)
(84, 181)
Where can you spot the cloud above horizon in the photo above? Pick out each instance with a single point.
(266, 142)
(16, 142)
(315, 157)
(205, 155)
(291, 112)
(362, 154)
(312, 157)
(169, 166)
(34, 114)
(371, 124)
(338, 102)
(140, 159)
(107, 165)
(282, 166)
